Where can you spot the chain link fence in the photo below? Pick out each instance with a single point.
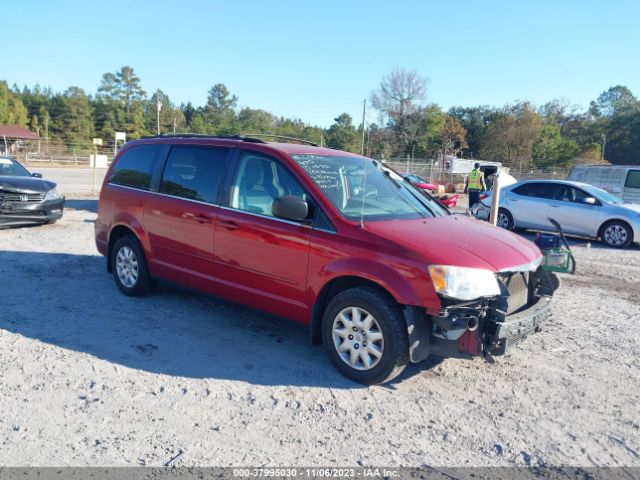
(430, 170)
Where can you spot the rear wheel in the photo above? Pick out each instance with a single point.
(505, 219)
(129, 267)
(616, 234)
(365, 335)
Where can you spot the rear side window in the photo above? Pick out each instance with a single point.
(537, 190)
(633, 179)
(522, 189)
(136, 166)
(194, 173)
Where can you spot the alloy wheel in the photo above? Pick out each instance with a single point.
(502, 220)
(615, 235)
(358, 338)
(127, 267)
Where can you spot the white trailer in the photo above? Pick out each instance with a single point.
(621, 180)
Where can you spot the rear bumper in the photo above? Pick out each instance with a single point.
(25, 213)
(481, 211)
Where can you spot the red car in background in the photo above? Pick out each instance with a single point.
(448, 201)
(420, 182)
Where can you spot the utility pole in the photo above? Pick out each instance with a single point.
(46, 129)
(97, 142)
(604, 144)
(159, 98)
(175, 124)
(364, 113)
(368, 152)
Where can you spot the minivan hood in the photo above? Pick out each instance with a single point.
(460, 241)
(25, 184)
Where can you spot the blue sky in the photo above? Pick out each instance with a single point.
(316, 59)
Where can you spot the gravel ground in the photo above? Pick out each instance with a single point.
(91, 377)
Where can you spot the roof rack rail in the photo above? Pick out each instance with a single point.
(243, 138)
(293, 139)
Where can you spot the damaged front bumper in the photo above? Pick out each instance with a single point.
(25, 213)
(487, 326)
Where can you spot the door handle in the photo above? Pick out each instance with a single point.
(555, 206)
(198, 218)
(229, 224)
(513, 199)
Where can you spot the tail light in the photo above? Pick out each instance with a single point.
(483, 196)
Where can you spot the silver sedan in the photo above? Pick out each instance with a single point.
(581, 209)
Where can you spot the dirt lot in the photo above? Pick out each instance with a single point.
(91, 377)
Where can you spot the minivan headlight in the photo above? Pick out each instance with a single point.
(464, 283)
(53, 194)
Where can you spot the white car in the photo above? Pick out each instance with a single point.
(581, 209)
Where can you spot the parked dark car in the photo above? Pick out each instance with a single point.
(26, 198)
(380, 273)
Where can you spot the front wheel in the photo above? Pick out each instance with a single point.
(365, 335)
(129, 267)
(617, 234)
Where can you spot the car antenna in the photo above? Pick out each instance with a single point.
(364, 190)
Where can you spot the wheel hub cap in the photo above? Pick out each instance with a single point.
(127, 267)
(615, 235)
(357, 338)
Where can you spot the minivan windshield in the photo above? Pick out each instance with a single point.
(12, 169)
(362, 187)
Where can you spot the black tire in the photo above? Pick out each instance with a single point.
(616, 234)
(143, 283)
(508, 218)
(392, 326)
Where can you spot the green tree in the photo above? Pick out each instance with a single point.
(12, 110)
(255, 121)
(623, 136)
(510, 136)
(454, 136)
(342, 135)
(119, 104)
(475, 121)
(219, 111)
(551, 149)
(425, 130)
(170, 115)
(39, 102)
(75, 117)
(613, 101)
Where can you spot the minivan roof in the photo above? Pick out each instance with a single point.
(286, 148)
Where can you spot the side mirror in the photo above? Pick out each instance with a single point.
(590, 201)
(290, 208)
(37, 175)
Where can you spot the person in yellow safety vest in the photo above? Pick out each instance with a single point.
(475, 185)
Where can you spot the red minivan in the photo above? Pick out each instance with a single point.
(381, 274)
